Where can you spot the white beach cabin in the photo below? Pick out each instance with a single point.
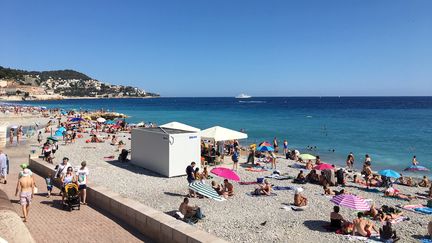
(165, 151)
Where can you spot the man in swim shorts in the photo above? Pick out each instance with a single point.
(26, 186)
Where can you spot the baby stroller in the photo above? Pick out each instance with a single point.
(72, 196)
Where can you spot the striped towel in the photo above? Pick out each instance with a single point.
(205, 190)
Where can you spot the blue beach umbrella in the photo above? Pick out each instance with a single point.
(76, 119)
(265, 148)
(389, 173)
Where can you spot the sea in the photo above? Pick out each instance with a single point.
(390, 129)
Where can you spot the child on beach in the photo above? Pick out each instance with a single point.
(39, 137)
(49, 184)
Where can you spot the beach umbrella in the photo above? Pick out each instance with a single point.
(225, 173)
(218, 133)
(100, 119)
(389, 173)
(76, 119)
(53, 139)
(350, 201)
(265, 144)
(416, 168)
(324, 166)
(205, 190)
(265, 148)
(307, 157)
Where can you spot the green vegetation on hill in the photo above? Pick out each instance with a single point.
(16, 74)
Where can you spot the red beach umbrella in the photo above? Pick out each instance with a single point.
(324, 166)
(225, 173)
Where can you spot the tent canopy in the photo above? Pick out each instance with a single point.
(180, 126)
(218, 133)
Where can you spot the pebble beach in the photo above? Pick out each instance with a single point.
(241, 218)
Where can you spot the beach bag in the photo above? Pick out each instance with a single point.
(260, 180)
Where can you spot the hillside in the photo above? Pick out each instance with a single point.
(66, 83)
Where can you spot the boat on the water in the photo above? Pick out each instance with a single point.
(243, 96)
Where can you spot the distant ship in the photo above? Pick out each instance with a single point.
(243, 96)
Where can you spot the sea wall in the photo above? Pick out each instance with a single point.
(150, 222)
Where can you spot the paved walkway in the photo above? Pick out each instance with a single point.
(48, 222)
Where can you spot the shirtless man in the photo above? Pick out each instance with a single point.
(190, 211)
(360, 225)
(26, 186)
(228, 189)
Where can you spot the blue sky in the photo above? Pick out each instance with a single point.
(223, 48)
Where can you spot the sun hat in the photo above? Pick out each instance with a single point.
(24, 165)
(298, 190)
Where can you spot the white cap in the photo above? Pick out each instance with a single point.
(298, 190)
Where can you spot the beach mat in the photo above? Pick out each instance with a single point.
(256, 169)
(284, 178)
(282, 188)
(248, 182)
(254, 195)
(424, 210)
(205, 190)
(426, 240)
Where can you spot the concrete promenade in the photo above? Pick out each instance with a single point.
(49, 222)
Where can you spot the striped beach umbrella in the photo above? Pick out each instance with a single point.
(265, 148)
(350, 201)
(205, 190)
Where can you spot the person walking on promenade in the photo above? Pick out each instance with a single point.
(26, 187)
(4, 167)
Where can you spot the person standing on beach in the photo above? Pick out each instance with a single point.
(368, 159)
(19, 134)
(11, 135)
(285, 147)
(3, 166)
(26, 187)
(273, 160)
(350, 161)
(190, 177)
(275, 145)
(235, 159)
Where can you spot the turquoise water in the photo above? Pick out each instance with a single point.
(390, 129)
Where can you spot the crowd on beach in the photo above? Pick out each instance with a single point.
(319, 173)
(311, 171)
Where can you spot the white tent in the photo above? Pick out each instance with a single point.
(180, 126)
(218, 133)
